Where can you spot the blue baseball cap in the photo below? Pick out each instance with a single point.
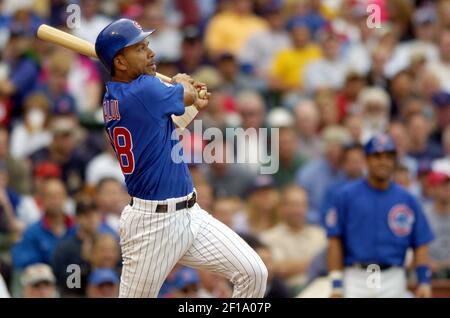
(178, 280)
(103, 275)
(185, 277)
(379, 144)
(64, 104)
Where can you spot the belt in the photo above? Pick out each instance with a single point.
(365, 266)
(164, 208)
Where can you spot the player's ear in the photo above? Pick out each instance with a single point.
(120, 62)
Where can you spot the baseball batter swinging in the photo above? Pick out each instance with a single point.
(163, 225)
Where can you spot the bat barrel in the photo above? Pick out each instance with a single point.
(69, 41)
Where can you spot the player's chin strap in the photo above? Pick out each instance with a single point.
(337, 285)
(423, 273)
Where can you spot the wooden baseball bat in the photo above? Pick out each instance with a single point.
(74, 43)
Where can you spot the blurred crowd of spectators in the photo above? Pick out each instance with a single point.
(317, 70)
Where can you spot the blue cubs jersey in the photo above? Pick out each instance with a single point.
(138, 120)
(375, 226)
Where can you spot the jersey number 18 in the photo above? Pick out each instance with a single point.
(123, 145)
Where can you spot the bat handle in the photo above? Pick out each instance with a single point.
(167, 79)
(164, 78)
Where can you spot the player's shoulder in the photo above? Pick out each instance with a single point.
(150, 83)
(400, 190)
(403, 193)
(351, 187)
(145, 80)
(150, 79)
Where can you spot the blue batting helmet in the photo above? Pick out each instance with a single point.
(116, 36)
(380, 143)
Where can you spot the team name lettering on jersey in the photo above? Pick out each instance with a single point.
(111, 110)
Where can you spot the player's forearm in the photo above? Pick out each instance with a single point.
(335, 266)
(422, 264)
(335, 255)
(423, 272)
(421, 256)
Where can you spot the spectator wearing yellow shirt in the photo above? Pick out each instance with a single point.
(229, 30)
(289, 64)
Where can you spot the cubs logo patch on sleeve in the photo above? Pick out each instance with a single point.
(401, 220)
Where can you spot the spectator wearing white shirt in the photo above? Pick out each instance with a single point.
(104, 165)
(329, 71)
(92, 22)
(252, 110)
(345, 23)
(166, 40)
(32, 134)
(425, 34)
(353, 26)
(307, 121)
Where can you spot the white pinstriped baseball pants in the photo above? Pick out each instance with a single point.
(153, 243)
